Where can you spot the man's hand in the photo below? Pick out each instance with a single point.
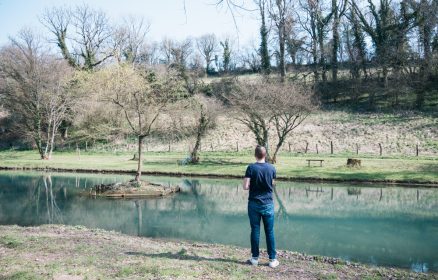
(246, 183)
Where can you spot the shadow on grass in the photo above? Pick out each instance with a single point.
(179, 256)
(220, 162)
(202, 163)
(407, 176)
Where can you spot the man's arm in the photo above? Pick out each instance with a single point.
(246, 183)
(274, 177)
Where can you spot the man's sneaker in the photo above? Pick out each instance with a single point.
(253, 261)
(273, 263)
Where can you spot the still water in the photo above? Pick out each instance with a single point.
(380, 225)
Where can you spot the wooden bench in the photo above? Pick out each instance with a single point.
(309, 160)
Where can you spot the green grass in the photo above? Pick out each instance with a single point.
(10, 242)
(22, 275)
(289, 166)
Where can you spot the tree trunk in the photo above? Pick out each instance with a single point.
(39, 144)
(264, 51)
(321, 52)
(277, 148)
(314, 47)
(385, 76)
(282, 64)
(194, 158)
(140, 150)
(52, 142)
(202, 127)
(38, 138)
(274, 157)
(207, 67)
(335, 31)
(359, 44)
(425, 36)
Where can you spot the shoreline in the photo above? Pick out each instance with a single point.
(403, 183)
(77, 252)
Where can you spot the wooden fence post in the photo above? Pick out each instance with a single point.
(289, 148)
(417, 151)
(237, 146)
(169, 147)
(380, 149)
(331, 147)
(307, 147)
(317, 151)
(357, 149)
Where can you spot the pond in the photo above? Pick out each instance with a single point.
(375, 224)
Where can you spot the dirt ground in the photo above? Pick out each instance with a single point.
(70, 253)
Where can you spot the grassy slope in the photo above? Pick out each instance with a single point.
(65, 252)
(398, 134)
(406, 169)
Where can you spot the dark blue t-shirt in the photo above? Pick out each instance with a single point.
(261, 177)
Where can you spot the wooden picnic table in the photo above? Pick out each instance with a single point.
(309, 160)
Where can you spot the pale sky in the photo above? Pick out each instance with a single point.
(167, 17)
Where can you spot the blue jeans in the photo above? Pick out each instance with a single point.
(256, 212)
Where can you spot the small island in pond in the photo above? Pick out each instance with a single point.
(133, 189)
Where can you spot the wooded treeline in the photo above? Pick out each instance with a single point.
(367, 55)
(99, 80)
(362, 54)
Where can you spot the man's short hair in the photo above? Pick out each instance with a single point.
(260, 152)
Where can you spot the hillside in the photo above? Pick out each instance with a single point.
(398, 133)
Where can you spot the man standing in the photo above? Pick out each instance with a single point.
(259, 180)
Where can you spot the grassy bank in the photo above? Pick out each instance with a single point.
(65, 252)
(289, 166)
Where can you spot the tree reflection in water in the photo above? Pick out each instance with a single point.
(139, 217)
(53, 214)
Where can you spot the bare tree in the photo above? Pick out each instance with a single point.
(82, 34)
(338, 9)
(142, 98)
(356, 46)
(264, 106)
(176, 54)
(308, 23)
(280, 11)
(129, 39)
(166, 46)
(207, 46)
(36, 88)
(94, 119)
(250, 59)
(427, 20)
(381, 29)
(149, 54)
(205, 111)
(181, 52)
